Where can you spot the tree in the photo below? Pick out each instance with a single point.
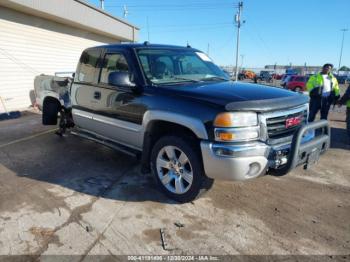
(344, 68)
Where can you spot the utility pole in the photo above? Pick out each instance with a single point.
(102, 4)
(242, 58)
(208, 49)
(147, 28)
(238, 23)
(341, 49)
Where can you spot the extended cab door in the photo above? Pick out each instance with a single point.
(83, 91)
(118, 111)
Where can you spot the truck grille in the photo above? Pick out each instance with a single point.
(277, 128)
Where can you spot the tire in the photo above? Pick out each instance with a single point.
(182, 186)
(50, 111)
(297, 89)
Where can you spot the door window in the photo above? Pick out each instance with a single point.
(87, 65)
(113, 63)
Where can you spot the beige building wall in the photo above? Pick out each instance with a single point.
(30, 46)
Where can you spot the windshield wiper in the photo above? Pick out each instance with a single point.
(187, 79)
(214, 78)
(179, 82)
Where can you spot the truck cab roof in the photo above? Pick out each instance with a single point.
(144, 45)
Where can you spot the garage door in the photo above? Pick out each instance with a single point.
(30, 46)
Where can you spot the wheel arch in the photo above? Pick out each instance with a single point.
(157, 124)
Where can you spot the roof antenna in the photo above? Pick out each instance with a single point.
(126, 11)
(188, 45)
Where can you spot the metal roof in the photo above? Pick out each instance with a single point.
(79, 14)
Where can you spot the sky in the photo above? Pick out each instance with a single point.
(275, 31)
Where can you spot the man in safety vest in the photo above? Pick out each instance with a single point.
(323, 90)
(345, 100)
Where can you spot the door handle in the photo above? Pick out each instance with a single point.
(97, 95)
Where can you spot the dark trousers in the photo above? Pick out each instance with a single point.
(319, 103)
(348, 122)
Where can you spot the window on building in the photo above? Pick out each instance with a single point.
(113, 63)
(87, 65)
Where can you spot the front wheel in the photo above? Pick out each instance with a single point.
(177, 166)
(297, 89)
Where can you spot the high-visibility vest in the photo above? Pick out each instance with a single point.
(317, 81)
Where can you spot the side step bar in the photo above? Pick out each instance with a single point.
(106, 142)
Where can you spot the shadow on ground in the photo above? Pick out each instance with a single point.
(78, 165)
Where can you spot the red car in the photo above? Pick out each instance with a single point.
(297, 83)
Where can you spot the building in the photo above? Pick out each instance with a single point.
(302, 70)
(46, 37)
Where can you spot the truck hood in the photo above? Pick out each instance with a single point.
(241, 96)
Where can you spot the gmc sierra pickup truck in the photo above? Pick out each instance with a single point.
(178, 112)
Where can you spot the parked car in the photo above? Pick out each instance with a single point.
(277, 76)
(246, 74)
(176, 111)
(265, 76)
(343, 79)
(297, 83)
(284, 80)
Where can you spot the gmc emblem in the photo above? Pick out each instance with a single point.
(293, 121)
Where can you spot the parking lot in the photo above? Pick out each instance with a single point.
(74, 197)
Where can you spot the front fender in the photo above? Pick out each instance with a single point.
(195, 125)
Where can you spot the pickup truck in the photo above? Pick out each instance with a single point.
(176, 111)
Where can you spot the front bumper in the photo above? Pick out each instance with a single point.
(246, 161)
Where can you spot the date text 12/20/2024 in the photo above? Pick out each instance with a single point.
(173, 258)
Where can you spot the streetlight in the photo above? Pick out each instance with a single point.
(341, 49)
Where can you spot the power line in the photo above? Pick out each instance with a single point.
(194, 29)
(341, 49)
(191, 25)
(175, 5)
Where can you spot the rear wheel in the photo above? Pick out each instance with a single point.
(177, 167)
(50, 112)
(297, 89)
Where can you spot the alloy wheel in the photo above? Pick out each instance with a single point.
(174, 170)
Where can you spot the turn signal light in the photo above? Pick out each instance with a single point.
(226, 136)
(223, 120)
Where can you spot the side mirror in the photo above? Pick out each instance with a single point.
(121, 79)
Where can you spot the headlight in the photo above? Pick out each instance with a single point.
(236, 119)
(237, 134)
(236, 126)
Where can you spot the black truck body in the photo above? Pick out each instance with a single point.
(189, 124)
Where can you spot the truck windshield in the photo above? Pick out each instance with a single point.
(176, 66)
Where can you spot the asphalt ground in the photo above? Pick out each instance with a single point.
(69, 196)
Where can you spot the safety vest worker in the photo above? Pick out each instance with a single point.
(323, 90)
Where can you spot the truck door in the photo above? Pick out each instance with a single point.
(118, 111)
(83, 91)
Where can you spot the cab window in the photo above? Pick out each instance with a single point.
(87, 66)
(113, 63)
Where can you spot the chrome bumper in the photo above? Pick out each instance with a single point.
(232, 162)
(246, 161)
